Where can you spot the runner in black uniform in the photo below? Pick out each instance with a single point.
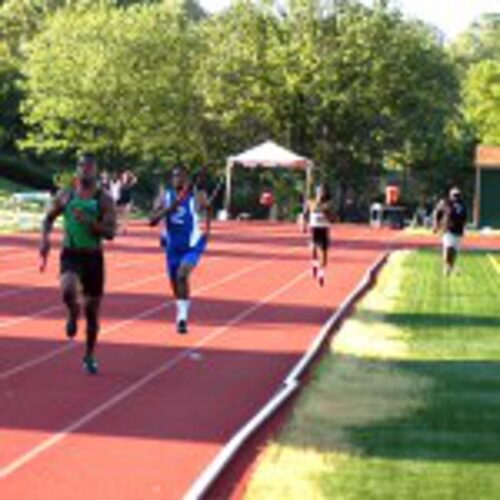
(450, 217)
(124, 202)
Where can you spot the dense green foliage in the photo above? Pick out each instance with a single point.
(477, 53)
(24, 172)
(359, 89)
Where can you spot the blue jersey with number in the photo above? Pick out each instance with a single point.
(182, 225)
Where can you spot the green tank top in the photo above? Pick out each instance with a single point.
(78, 235)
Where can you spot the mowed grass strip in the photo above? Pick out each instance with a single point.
(495, 260)
(406, 404)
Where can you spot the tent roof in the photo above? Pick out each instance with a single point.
(270, 155)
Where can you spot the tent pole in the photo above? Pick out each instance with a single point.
(307, 192)
(227, 202)
(477, 198)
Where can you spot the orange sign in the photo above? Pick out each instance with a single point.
(392, 194)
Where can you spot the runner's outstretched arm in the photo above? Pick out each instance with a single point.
(53, 213)
(160, 210)
(205, 206)
(437, 217)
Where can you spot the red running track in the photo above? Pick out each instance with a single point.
(164, 404)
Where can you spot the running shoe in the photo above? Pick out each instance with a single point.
(90, 365)
(321, 278)
(182, 327)
(314, 271)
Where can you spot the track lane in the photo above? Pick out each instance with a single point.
(261, 348)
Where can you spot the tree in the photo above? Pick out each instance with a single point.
(478, 43)
(347, 84)
(236, 77)
(478, 54)
(354, 87)
(113, 80)
(482, 100)
(10, 97)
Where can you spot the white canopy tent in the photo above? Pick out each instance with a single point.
(267, 155)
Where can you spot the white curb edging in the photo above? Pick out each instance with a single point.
(290, 385)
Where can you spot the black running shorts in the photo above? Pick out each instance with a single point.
(88, 266)
(321, 237)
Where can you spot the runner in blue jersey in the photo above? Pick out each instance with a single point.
(181, 208)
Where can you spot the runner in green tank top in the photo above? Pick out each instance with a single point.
(89, 217)
(76, 234)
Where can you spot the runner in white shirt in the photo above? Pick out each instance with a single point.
(115, 187)
(320, 215)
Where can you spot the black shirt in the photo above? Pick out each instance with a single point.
(453, 216)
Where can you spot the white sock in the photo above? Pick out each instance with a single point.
(315, 264)
(182, 310)
(321, 273)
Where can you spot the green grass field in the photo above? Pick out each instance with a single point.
(407, 403)
(495, 261)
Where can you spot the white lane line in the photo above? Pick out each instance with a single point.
(13, 254)
(33, 268)
(50, 309)
(117, 326)
(122, 265)
(22, 291)
(43, 312)
(109, 256)
(12, 293)
(289, 385)
(24, 270)
(140, 383)
(47, 310)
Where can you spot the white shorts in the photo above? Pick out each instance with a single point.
(451, 240)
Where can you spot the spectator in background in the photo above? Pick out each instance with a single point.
(127, 181)
(115, 187)
(105, 181)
